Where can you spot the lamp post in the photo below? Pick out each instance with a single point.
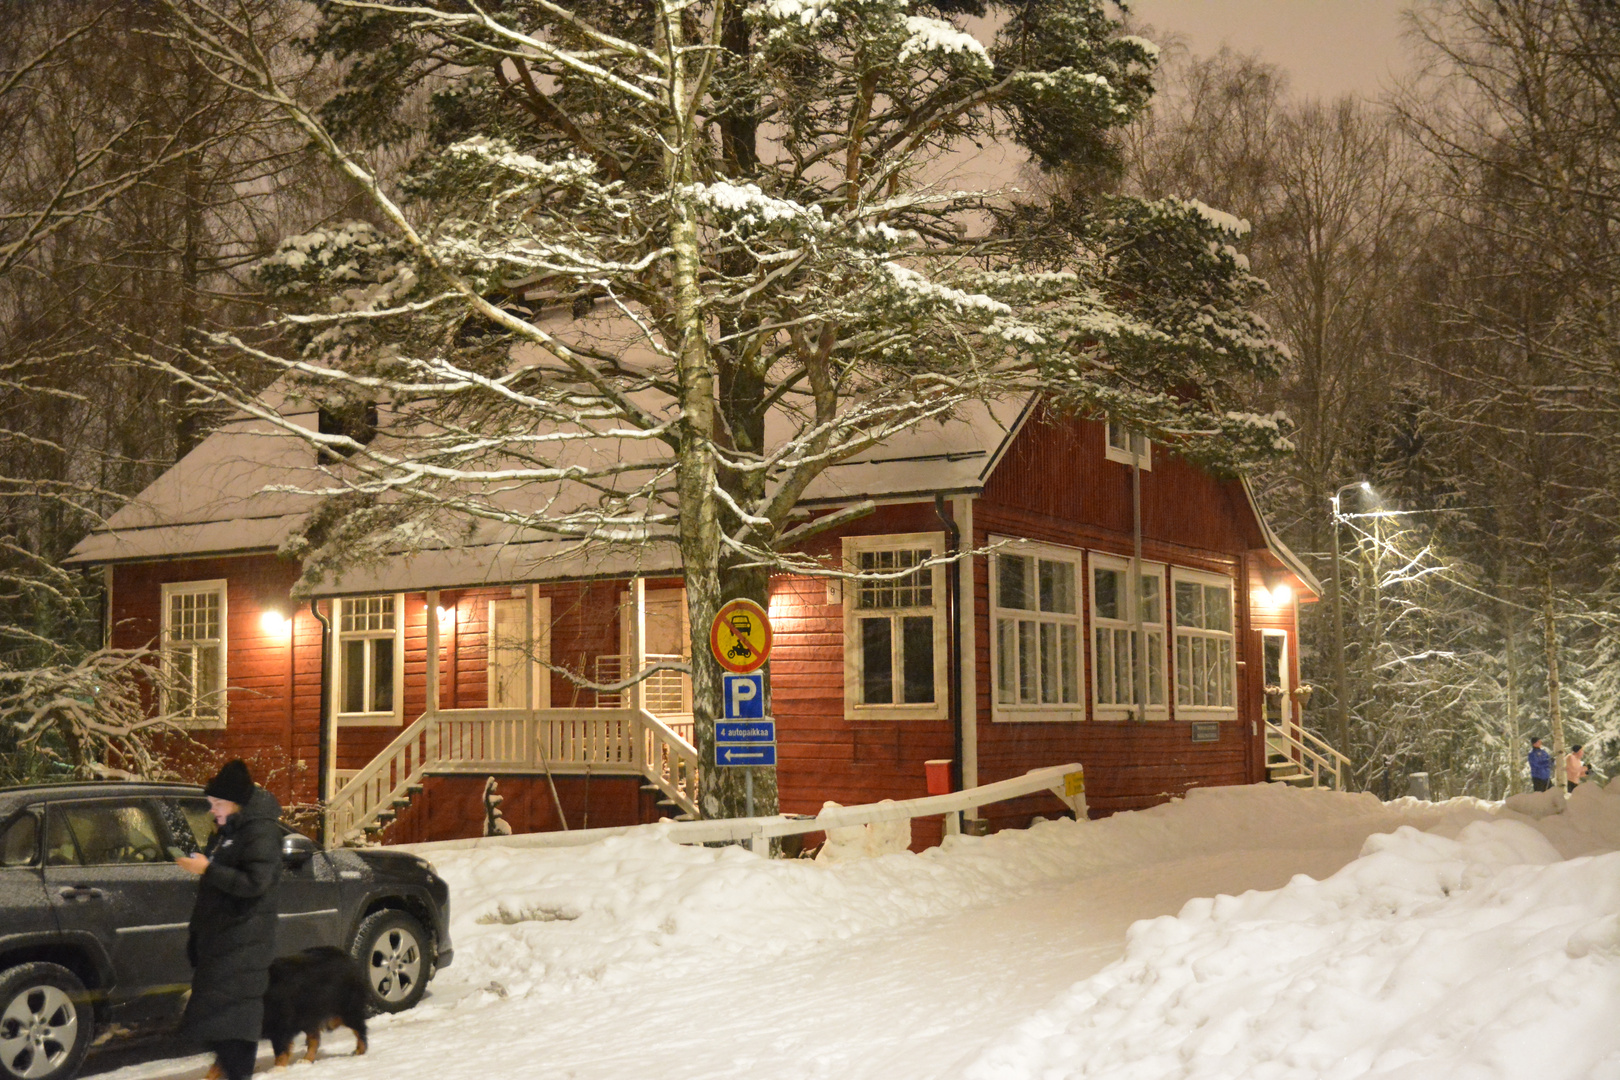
(1341, 703)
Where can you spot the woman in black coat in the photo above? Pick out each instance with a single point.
(233, 925)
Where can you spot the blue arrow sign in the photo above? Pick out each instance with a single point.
(745, 755)
(744, 696)
(745, 731)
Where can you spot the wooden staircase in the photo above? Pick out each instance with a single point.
(564, 742)
(1295, 755)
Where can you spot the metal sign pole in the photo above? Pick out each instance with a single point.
(748, 792)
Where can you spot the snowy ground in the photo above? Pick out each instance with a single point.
(1466, 941)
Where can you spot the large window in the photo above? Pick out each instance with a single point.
(1036, 615)
(368, 659)
(1127, 446)
(1205, 668)
(194, 651)
(894, 628)
(1118, 675)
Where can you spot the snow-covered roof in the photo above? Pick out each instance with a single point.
(229, 496)
(239, 492)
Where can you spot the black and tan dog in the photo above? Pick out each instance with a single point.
(317, 990)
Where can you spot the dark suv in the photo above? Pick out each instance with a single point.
(94, 913)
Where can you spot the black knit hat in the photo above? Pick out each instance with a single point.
(233, 783)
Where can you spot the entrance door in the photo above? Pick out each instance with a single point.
(516, 654)
(668, 693)
(1279, 707)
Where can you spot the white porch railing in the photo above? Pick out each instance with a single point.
(565, 741)
(1294, 753)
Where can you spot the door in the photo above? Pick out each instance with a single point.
(1279, 703)
(516, 654)
(109, 874)
(667, 694)
(306, 896)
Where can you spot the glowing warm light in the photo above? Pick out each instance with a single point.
(1280, 596)
(446, 614)
(275, 623)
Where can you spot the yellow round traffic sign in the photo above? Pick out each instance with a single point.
(740, 636)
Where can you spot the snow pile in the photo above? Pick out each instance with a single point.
(545, 922)
(1474, 950)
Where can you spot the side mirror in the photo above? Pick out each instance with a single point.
(297, 849)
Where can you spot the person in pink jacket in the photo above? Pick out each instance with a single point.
(1574, 767)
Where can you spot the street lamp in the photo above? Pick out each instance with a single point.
(1341, 704)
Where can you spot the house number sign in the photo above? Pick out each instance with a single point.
(740, 636)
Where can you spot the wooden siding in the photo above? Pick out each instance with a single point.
(1053, 485)
(273, 695)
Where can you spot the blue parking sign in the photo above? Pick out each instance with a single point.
(744, 696)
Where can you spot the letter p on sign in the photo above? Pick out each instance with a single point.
(744, 696)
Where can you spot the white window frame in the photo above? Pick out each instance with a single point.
(396, 715)
(539, 676)
(1113, 710)
(1125, 446)
(1184, 710)
(216, 717)
(1036, 711)
(854, 659)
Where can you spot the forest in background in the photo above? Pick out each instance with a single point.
(1442, 268)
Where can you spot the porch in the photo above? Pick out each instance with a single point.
(636, 721)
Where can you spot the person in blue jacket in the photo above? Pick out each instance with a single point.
(1540, 766)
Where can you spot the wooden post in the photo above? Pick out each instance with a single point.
(432, 665)
(637, 660)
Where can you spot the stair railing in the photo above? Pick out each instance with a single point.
(372, 791)
(669, 761)
(525, 739)
(1310, 752)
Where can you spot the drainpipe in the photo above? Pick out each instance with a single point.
(1138, 632)
(954, 652)
(323, 762)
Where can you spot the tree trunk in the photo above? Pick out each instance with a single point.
(1555, 718)
(1514, 745)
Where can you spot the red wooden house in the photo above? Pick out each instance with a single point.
(1020, 657)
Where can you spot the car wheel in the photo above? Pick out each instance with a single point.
(392, 949)
(46, 1023)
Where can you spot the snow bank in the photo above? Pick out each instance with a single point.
(1477, 949)
(543, 922)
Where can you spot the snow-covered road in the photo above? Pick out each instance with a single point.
(638, 958)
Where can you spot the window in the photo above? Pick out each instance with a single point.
(1127, 446)
(1205, 669)
(894, 628)
(1036, 615)
(368, 659)
(194, 652)
(104, 834)
(19, 842)
(1114, 660)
